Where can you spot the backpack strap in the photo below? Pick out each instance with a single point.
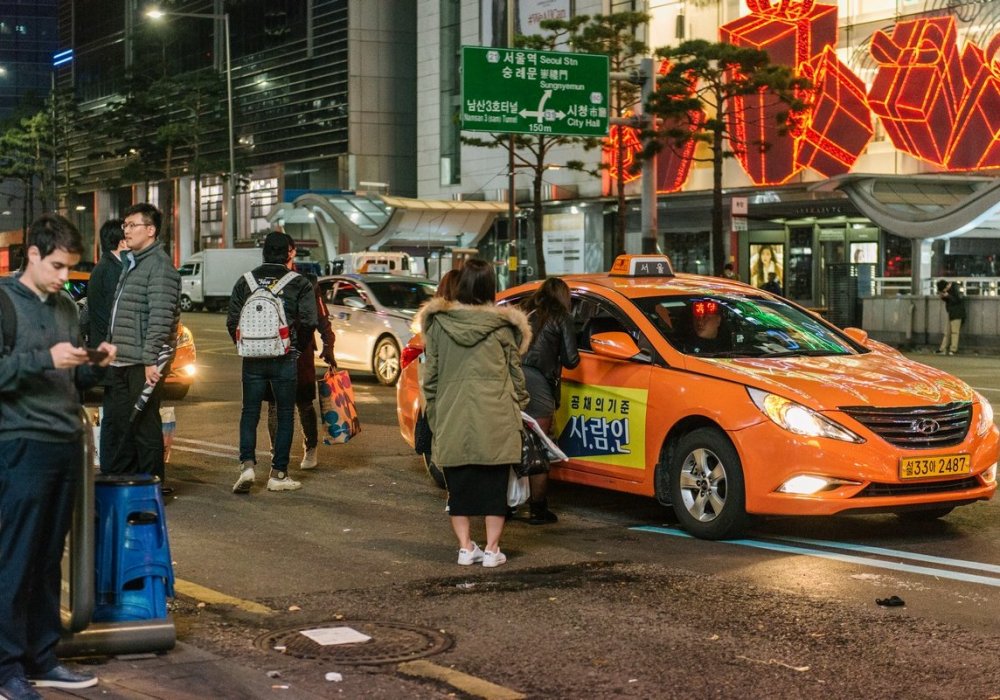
(8, 321)
(252, 282)
(280, 284)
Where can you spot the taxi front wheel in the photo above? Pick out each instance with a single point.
(706, 485)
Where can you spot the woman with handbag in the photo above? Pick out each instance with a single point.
(553, 346)
(474, 392)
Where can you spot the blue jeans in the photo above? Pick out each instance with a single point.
(279, 373)
(38, 482)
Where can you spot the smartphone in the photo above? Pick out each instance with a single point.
(95, 356)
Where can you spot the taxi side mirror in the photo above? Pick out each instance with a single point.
(355, 303)
(857, 335)
(614, 344)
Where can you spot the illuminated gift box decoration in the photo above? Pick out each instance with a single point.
(975, 143)
(626, 138)
(793, 32)
(674, 161)
(837, 125)
(919, 85)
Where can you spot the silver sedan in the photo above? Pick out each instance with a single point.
(371, 316)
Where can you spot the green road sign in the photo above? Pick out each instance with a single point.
(519, 91)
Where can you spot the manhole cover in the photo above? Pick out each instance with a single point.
(391, 642)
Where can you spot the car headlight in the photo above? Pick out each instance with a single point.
(184, 337)
(985, 415)
(796, 418)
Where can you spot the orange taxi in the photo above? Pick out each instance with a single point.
(724, 401)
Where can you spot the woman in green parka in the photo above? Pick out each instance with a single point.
(474, 389)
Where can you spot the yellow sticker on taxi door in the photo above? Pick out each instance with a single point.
(602, 424)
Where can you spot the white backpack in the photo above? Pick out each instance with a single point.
(263, 330)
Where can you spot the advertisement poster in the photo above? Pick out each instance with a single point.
(602, 424)
(864, 252)
(530, 13)
(527, 19)
(766, 258)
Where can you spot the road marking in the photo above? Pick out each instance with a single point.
(883, 552)
(847, 558)
(212, 597)
(462, 681)
(232, 452)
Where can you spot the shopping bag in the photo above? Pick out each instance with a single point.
(518, 489)
(337, 407)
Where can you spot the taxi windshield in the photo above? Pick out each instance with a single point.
(730, 326)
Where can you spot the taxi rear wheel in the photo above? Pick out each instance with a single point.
(434, 471)
(706, 485)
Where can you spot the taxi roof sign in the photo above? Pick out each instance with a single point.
(642, 266)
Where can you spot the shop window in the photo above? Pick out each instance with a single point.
(800, 264)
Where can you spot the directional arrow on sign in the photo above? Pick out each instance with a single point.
(540, 112)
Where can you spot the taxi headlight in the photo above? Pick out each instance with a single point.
(184, 337)
(808, 484)
(798, 419)
(990, 475)
(985, 415)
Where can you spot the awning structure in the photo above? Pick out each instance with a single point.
(925, 206)
(372, 221)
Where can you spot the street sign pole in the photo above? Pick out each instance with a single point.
(514, 262)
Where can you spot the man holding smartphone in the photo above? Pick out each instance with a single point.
(42, 370)
(143, 326)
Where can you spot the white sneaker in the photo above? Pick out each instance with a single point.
(491, 559)
(467, 557)
(283, 483)
(246, 478)
(308, 460)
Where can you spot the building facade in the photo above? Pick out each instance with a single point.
(322, 100)
(896, 171)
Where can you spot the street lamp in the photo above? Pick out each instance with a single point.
(231, 219)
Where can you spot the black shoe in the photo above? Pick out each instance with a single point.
(62, 677)
(541, 515)
(18, 688)
(166, 490)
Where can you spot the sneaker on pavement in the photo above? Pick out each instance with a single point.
(467, 557)
(282, 482)
(62, 677)
(246, 479)
(491, 559)
(309, 460)
(18, 688)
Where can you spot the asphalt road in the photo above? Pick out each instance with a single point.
(613, 601)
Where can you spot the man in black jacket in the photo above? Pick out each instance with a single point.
(42, 370)
(100, 299)
(954, 305)
(299, 301)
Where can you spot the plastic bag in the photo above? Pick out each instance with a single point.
(518, 490)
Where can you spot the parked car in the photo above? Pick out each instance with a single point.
(184, 367)
(371, 317)
(724, 401)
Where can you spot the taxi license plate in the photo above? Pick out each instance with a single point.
(925, 467)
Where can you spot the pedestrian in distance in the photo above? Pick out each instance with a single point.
(100, 300)
(553, 346)
(729, 272)
(474, 392)
(954, 304)
(772, 285)
(43, 368)
(305, 386)
(249, 321)
(143, 325)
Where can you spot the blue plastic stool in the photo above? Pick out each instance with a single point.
(134, 573)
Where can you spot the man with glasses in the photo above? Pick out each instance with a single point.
(144, 328)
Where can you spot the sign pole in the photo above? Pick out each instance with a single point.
(514, 261)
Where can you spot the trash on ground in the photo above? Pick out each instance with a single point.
(327, 636)
(274, 674)
(890, 602)
(293, 608)
(334, 676)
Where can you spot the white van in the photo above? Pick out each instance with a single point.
(374, 261)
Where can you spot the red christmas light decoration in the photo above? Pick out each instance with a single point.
(674, 163)
(836, 126)
(919, 86)
(627, 138)
(975, 143)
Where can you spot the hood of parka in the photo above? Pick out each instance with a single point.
(468, 325)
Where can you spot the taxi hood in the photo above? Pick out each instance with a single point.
(827, 383)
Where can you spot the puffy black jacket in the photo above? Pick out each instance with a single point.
(146, 307)
(101, 297)
(298, 297)
(553, 346)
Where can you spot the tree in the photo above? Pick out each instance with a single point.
(613, 36)
(26, 156)
(698, 100)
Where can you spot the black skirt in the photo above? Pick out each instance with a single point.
(477, 489)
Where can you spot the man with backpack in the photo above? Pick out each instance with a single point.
(272, 316)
